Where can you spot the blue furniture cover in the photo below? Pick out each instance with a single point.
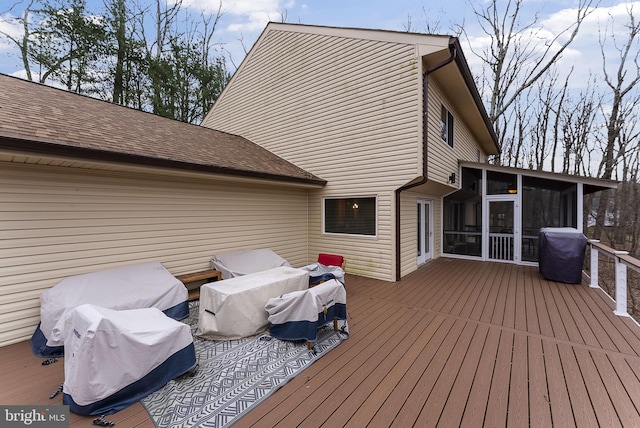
(319, 273)
(298, 315)
(146, 285)
(115, 358)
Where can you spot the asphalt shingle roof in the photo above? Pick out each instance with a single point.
(41, 119)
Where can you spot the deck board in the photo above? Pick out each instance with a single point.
(456, 343)
(581, 405)
(559, 401)
(518, 386)
(350, 374)
(384, 390)
(360, 387)
(462, 380)
(390, 408)
(440, 393)
(600, 399)
(474, 412)
(625, 409)
(496, 412)
(539, 403)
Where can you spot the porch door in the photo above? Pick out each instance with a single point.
(501, 230)
(425, 231)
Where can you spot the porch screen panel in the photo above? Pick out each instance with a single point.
(545, 203)
(501, 183)
(462, 216)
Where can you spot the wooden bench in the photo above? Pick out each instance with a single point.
(208, 275)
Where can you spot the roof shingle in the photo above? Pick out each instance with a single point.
(41, 119)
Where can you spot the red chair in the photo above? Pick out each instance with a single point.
(330, 260)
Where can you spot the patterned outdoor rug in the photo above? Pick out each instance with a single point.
(233, 376)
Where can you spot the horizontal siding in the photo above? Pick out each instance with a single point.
(365, 255)
(333, 106)
(443, 160)
(345, 109)
(58, 222)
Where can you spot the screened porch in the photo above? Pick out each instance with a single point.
(498, 212)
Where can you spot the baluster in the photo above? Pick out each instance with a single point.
(594, 264)
(621, 285)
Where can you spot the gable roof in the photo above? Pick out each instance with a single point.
(42, 120)
(459, 87)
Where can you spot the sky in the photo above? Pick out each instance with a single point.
(244, 20)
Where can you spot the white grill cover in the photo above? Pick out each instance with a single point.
(234, 308)
(244, 262)
(147, 285)
(107, 350)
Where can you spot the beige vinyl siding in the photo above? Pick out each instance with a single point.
(57, 222)
(442, 159)
(365, 255)
(345, 109)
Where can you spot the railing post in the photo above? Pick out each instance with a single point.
(621, 285)
(593, 270)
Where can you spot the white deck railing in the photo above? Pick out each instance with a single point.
(622, 262)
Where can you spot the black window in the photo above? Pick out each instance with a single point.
(446, 126)
(352, 216)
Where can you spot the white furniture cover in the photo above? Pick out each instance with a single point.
(243, 262)
(319, 272)
(234, 308)
(298, 315)
(144, 285)
(115, 358)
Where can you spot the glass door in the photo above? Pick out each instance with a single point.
(501, 230)
(424, 231)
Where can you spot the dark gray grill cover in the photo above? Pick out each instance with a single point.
(561, 254)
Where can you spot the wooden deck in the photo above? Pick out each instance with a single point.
(456, 343)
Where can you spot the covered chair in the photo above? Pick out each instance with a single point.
(319, 273)
(244, 262)
(145, 285)
(115, 358)
(298, 315)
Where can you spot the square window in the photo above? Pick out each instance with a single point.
(350, 216)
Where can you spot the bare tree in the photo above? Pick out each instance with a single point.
(577, 118)
(515, 58)
(624, 101)
(621, 85)
(544, 121)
